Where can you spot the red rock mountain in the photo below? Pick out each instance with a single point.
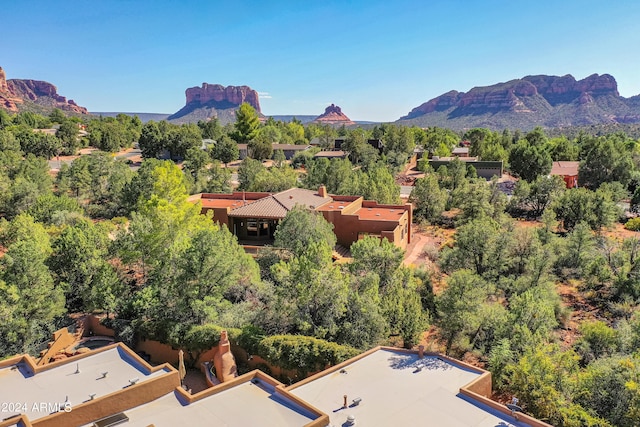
(550, 101)
(215, 101)
(17, 95)
(333, 115)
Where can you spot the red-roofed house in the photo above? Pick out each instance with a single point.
(568, 171)
(255, 216)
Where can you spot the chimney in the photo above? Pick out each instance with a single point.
(223, 360)
(322, 191)
(420, 352)
(344, 405)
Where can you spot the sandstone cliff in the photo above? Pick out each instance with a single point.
(33, 95)
(333, 115)
(213, 100)
(550, 101)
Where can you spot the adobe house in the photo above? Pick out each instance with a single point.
(486, 169)
(381, 387)
(568, 171)
(253, 217)
(334, 154)
(460, 152)
(289, 150)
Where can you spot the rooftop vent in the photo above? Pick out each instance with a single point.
(112, 420)
(356, 401)
(351, 420)
(133, 381)
(377, 214)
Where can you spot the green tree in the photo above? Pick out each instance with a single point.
(274, 180)
(68, 135)
(430, 201)
(564, 150)
(538, 195)
(247, 172)
(604, 159)
(302, 227)
(598, 340)
(529, 161)
(151, 141)
(303, 354)
(246, 125)
(402, 307)
(260, 149)
(5, 119)
(79, 262)
(597, 209)
(376, 255)
(609, 388)
(459, 304)
(30, 303)
(279, 158)
(48, 206)
(542, 381)
(217, 179)
(225, 150)
(211, 129)
(480, 246)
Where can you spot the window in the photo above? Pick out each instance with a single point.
(252, 227)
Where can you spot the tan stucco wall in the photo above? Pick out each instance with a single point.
(113, 403)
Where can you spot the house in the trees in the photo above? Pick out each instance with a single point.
(253, 217)
(486, 169)
(289, 150)
(568, 171)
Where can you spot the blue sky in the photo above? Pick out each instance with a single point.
(375, 59)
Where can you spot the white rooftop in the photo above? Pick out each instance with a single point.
(399, 389)
(72, 382)
(246, 404)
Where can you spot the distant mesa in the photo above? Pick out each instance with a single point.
(333, 115)
(213, 100)
(33, 95)
(549, 101)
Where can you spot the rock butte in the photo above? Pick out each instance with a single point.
(15, 92)
(234, 95)
(333, 115)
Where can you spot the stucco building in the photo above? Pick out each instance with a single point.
(253, 217)
(381, 387)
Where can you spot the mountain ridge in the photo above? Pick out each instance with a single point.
(34, 95)
(535, 100)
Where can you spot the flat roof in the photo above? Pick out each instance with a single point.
(328, 154)
(250, 403)
(397, 388)
(380, 214)
(334, 205)
(73, 381)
